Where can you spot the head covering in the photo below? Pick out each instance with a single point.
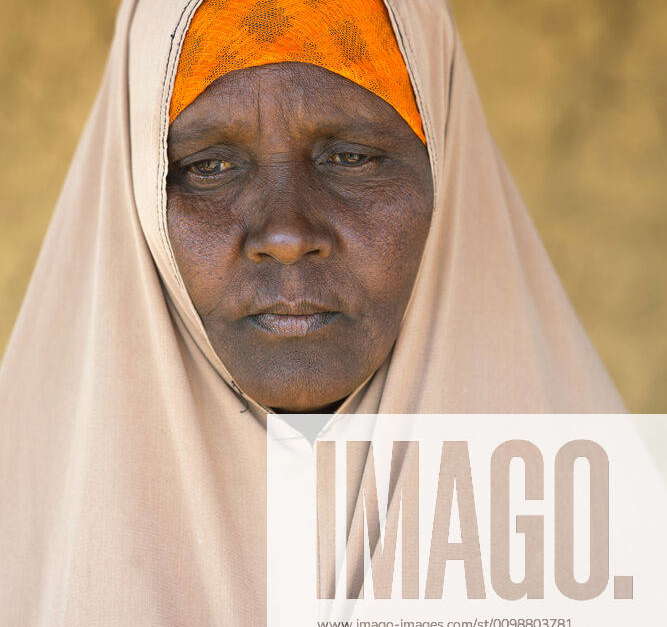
(353, 39)
(132, 473)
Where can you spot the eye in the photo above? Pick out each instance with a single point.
(349, 159)
(209, 167)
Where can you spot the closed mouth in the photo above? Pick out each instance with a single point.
(293, 325)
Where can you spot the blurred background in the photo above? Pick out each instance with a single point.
(576, 96)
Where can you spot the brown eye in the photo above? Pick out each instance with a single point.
(348, 158)
(209, 167)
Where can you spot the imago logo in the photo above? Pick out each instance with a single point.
(455, 505)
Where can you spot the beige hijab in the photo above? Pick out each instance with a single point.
(132, 473)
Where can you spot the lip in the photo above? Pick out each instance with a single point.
(293, 325)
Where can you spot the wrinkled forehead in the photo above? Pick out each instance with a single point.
(285, 103)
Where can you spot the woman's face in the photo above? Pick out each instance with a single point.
(298, 208)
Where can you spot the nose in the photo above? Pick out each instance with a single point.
(286, 235)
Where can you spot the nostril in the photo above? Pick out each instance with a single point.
(286, 247)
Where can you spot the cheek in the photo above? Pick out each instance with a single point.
(205, 242)
(388, 244)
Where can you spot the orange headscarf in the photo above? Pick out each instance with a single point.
(353, 38)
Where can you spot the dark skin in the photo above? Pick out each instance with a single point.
(298, 208)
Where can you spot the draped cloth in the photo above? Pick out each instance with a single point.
(132, 469)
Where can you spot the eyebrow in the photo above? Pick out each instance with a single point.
(366, 126)
(198, 136)
(197, 132)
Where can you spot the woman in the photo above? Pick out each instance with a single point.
(299, 199)
(201, 273)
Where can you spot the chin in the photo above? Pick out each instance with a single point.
(299, 376)
(300, 392)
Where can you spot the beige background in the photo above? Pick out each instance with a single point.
(576, 95)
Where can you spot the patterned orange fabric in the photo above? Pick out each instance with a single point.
(353, 38)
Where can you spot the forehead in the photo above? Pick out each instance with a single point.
(293, 98)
